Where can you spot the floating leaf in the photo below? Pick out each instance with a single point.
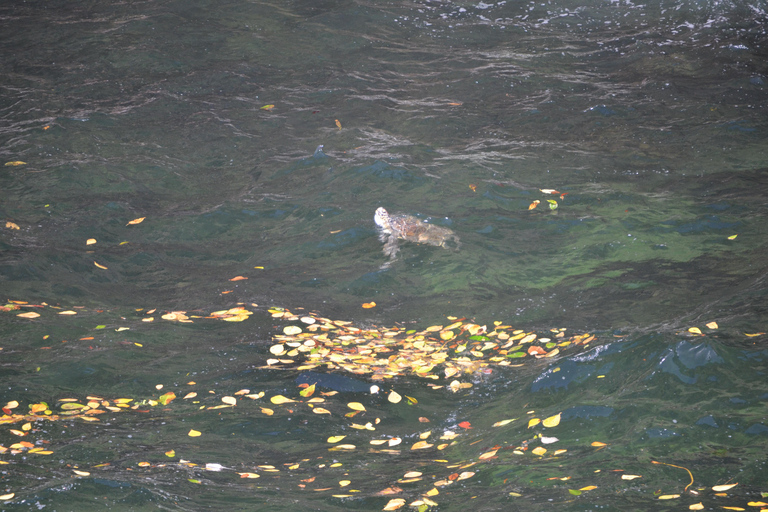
(465, 475)
(539, 450)
(166, 398)
(696, 506)
(90, 241)
(488, 455)
(712, 325)
(548, 440)
(11, 225)
(356, 406)
(552, 421)
(335, 439)
(420, 445)
(229, 400)
(320, 410)
(30, 314)
(725, 487)
(280, 399)
(574, 492)
(394, 397)
(292, 330)
(394, 504)
(598, 443)
(369, 305)
(465, 424)
(630, 477)
(732, 237)
(502, 423)
(534, 204)
(136, 221)
(194, 433)
(249, 475)
(267, 107)
(533, 422)
(170, 453)
(15, 163)
(308, 391)
(757, 504)
(694, 330)
(100, 266)
(268, 412)
(6, 497)
(338, 123)
(588, 488)
(669, 496)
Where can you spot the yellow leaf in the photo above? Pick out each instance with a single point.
(100, 266)
(420, 445)
(721, 488)
(344, 483)
(308, 391)
(267, 107)
(11, 405)
(280, 399)
(465, 475)
(696, 506)
(335, 439)
(90, 241)
(6, 497)
(341, 447)
(712, 325)
(394, 397)
(413, 474)
(268, 412)
(488, 455)
(757, 504)
(502, 423)
(15, 163)
(80, 473)
(320, 410)
(339, 125)
(734, 508)
(229, 400)
(191, 394)
(166, 398)
(539, 451)
(11, 225)
(630, 477)
(356, 406)
(552, 421)
(598, 443)
(745, 334)
(30, 314)
(194, 433)
(533, 422)
(248, 475)
(170, 453)
(694, 330)
(669, 496)
(369, 305)
(292, 330)
(394, 504)
(136, 221)
(588, 488)
(732, 237)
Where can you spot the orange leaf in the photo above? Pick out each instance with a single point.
(369, 305)
(534, 204)
(136, 221)
(238, 278)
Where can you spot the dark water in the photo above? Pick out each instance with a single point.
(649, 120)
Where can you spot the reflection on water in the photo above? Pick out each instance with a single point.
(647, 122)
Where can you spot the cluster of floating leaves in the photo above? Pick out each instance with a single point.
(448, 351)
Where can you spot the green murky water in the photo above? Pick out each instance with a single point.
(649, 121)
